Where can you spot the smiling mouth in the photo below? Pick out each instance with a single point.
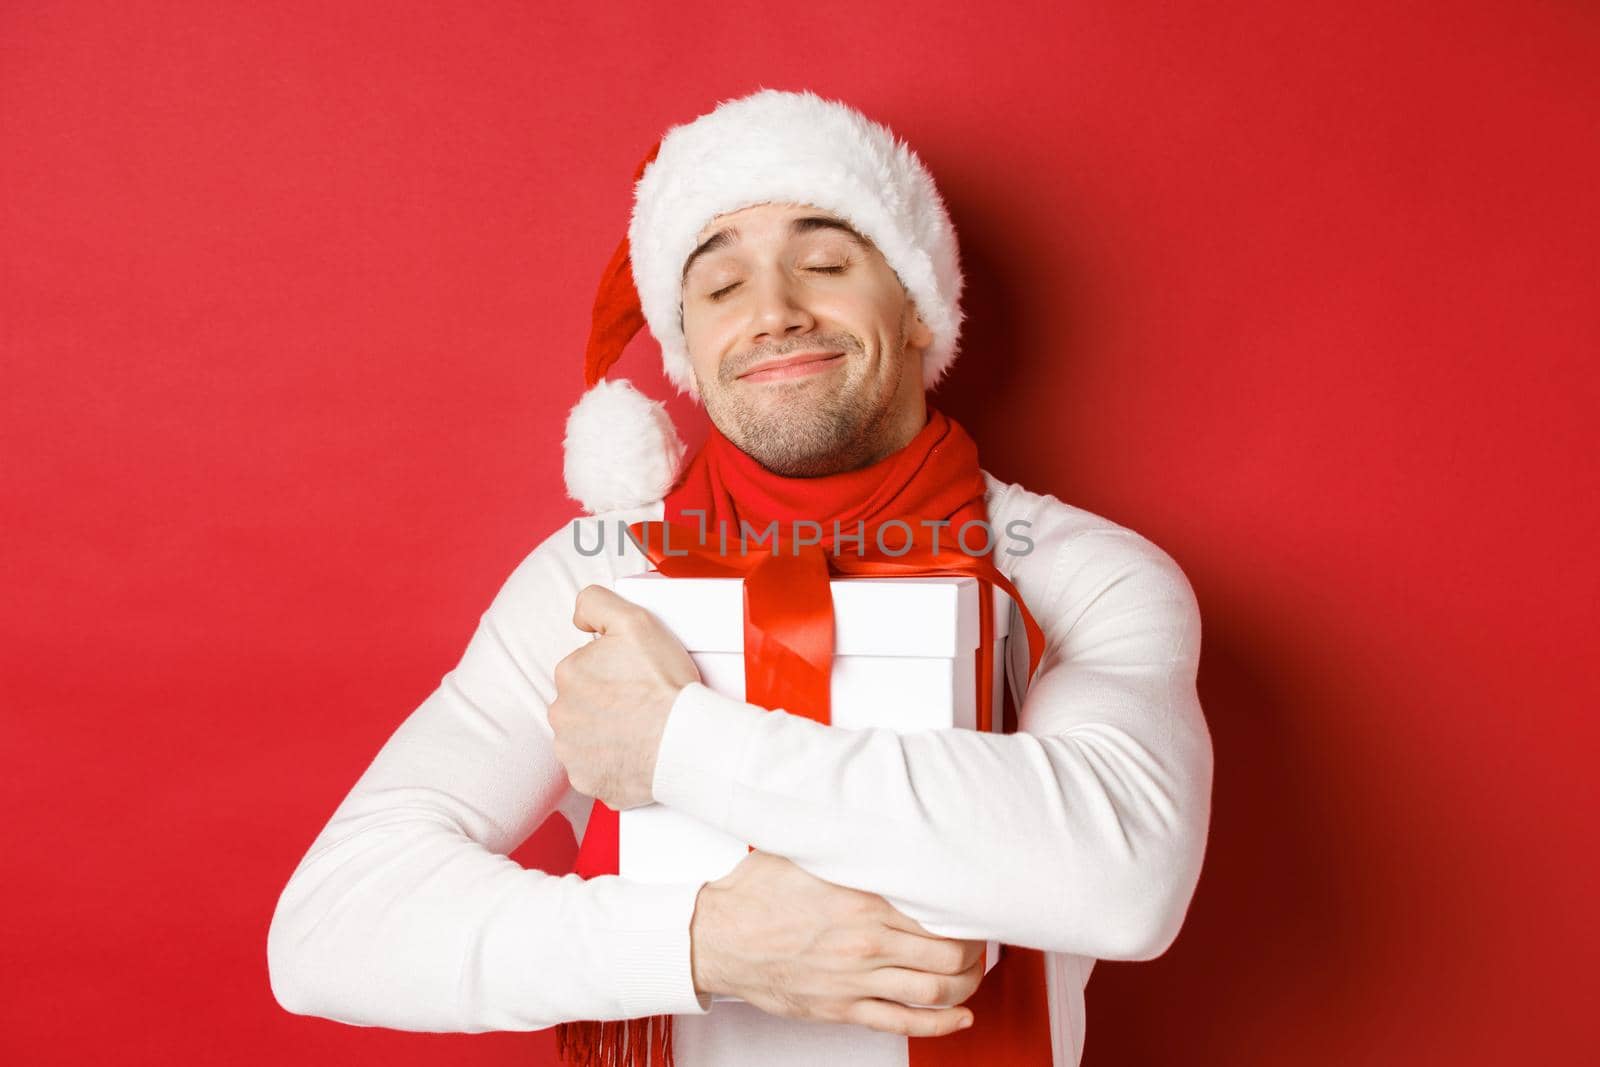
(798, 366)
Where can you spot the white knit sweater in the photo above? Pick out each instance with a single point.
(406, 912)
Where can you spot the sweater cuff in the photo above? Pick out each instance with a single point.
(654, 971)
(702, 750)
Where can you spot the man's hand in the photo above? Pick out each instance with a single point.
(803, 948)
(613, 696)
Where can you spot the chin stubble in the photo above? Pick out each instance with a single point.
(835, 432)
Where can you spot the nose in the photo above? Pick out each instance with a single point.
(778, 310)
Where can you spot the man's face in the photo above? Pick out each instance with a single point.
(791, 284)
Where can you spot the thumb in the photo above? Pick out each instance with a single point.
(598, 609)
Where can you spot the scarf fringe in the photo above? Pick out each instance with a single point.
(645, 1042)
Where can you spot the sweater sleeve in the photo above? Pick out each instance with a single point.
(406, 911)
(1081, 833)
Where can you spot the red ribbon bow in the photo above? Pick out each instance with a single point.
(788, 607)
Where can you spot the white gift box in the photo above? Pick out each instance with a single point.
(903, 660)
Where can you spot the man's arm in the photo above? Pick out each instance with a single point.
(1082, 833)
(406, 913)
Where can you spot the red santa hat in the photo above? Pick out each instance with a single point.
(621, 449)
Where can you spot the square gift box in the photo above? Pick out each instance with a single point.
(903, 660)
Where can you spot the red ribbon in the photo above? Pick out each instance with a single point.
(788, 607)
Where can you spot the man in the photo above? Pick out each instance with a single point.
(800, 272)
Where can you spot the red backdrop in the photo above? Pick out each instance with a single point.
(294, 301)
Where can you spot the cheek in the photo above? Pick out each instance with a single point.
(705, 336)
(877, 323)
(859, 313)
(873, 309)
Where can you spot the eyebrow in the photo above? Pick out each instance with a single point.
(802, 225)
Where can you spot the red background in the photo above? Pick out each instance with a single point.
(294, 301)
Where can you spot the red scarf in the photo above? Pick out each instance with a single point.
(936, 476)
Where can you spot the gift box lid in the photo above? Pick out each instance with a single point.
(924, 616)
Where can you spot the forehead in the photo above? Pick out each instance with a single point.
(760, 214)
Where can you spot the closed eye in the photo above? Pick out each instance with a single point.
(726, 289)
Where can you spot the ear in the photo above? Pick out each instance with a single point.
(917, 333)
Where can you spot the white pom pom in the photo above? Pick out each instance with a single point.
(622, 450)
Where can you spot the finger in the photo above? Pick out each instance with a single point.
(899, 920)
(919, 989)
(899, 1019)
(895, 919)
(936, 955)
(598, 609)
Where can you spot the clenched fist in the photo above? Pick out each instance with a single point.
(613, 696)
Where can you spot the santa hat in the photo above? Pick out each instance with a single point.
(621, 449)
